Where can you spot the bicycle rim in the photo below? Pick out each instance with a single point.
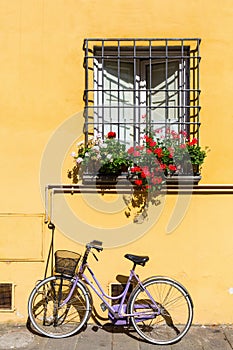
(170, 320)
(51, 319)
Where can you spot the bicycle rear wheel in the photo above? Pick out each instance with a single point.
(170, 320)
(49, 317)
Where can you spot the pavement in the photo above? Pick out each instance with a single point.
(114, 338)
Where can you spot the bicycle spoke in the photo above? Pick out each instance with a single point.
(174, 315)
(53, 320)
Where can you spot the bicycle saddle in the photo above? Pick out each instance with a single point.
(139, 260)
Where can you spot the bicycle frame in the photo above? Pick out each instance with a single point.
(118, 311)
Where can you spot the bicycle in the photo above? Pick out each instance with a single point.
(159, 308)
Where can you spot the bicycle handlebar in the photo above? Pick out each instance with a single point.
(96, 245)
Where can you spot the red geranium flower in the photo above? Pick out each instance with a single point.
(111, 135)
(152, 143)
(162, 166)
(148, 138)
(138, 182)
(172, 167)
(193, 142)
(135, 169)
(159, 152)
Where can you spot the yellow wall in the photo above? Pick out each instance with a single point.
(42, 82)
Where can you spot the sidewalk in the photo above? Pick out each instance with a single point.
(198, 338)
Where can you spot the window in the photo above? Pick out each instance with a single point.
(137, 84)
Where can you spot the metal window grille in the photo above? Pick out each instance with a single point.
(135, 84)
(6, 296)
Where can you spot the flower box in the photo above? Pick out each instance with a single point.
(110, 181)
(177, 180)
(104, 180)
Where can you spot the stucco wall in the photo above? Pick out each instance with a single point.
(42, 82)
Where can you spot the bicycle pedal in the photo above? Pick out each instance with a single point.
(103, 306)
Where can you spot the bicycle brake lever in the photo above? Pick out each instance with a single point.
(95, 256)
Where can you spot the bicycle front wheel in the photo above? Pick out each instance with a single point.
(162, 310)
(49, 316)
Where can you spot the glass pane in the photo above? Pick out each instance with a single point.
(115, 99)
(163, 96)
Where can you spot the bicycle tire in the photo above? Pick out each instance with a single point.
(175, 308)
(55, 321)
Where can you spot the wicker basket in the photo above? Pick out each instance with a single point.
(66, 262)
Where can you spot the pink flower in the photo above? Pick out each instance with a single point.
(157, 180)
(174, 135)
(184, 133)
(136, 154)
(146, 171)
(130, 150)
(171, 150)
(140, 148)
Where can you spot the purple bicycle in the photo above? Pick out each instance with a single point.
(159, 308)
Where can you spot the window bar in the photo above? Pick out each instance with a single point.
(166, 87)
(135, 98)
(99, 102)
(178, 113)
(198, 87)
(150, 84)
(153, 123)
(183, 86)
(193, 115)
(86, 110)
(187, 92)
(102, 90)
(193, 99)
(95, 94)
(118, 86)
